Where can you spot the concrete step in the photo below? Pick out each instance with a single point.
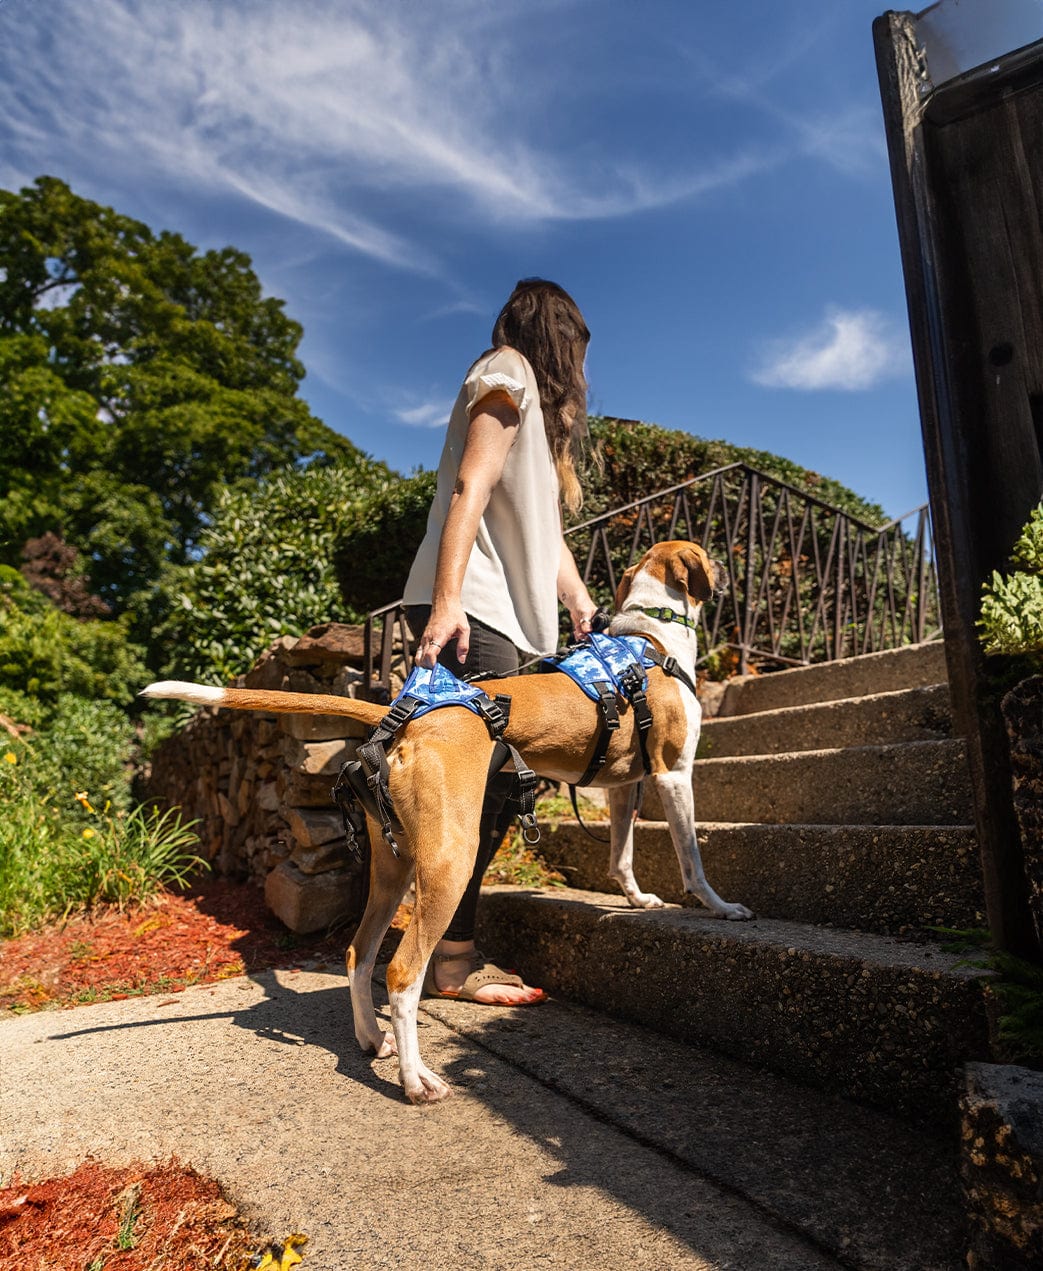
(909, 714)
(865, 1186)
(910, 667)
(868, 1017)
(908, 783)
(890, 879)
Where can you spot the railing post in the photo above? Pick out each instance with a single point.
(749, 587)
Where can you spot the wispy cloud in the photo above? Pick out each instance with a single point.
(350, 118)
(427, 415)
(850, 350)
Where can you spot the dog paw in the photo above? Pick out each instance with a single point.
(381, 1045)
(645, 900)
(737, 913)
(426, 1088)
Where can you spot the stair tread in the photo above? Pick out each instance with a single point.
(830, 942)
(784, 712)
(873, 1189)
(924, 746)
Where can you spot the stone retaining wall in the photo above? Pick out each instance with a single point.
(259, 784)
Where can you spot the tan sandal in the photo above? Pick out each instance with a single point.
(484, 973)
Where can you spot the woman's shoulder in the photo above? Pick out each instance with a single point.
(503, 369)
(503, 360)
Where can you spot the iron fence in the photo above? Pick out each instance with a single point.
(807, 582)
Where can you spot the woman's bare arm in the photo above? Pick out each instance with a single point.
(490, 436)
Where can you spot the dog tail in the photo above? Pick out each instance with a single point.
(249, 699)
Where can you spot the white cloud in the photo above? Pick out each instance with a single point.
(851, 350)
(349, 117)
(427, 415)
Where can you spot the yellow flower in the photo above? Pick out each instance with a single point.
(88, 833)
(10, 757)
(83, 801)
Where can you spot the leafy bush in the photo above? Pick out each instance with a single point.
(59, 854)
(640, 459)
(45, 652)
(1012, 605)
(265, 569)
(379, 539)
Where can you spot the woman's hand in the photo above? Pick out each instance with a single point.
(446, 624)
(581, 610)
(573, 594)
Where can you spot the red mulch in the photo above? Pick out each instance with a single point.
(216, 930)
(143, 1218)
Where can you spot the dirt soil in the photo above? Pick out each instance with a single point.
(163, 1217)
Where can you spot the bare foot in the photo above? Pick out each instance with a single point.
(451, 971)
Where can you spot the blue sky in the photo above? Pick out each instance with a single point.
(709, 181)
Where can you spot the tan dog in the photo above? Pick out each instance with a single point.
(437, 777)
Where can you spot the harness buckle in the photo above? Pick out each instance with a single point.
(530, 828)
(607, 703)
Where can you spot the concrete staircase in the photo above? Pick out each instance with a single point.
(833, 800)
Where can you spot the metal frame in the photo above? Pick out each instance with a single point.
(807, 582)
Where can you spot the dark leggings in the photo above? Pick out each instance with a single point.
(490, 654)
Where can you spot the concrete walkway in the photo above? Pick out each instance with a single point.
(258, 1082)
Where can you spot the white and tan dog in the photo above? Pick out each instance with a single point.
(437, 777)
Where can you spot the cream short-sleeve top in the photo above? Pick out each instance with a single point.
(510, 582)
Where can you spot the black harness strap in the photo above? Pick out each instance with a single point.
(630, 683)
(365, 780)
(669, 666)
(607, 725)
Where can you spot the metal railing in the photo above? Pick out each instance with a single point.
(807, 582)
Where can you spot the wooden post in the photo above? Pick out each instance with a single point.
(968, 188)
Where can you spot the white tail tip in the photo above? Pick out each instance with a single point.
(202, 694)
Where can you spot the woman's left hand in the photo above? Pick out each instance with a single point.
(582, 613)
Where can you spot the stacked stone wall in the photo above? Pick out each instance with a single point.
(259, 784)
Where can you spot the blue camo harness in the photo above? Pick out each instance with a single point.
(611, 670)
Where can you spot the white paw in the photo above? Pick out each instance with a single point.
(737, 913)
(382, 1044)
(426, 1088)
(645, 900)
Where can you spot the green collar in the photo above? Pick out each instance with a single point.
(671, 615)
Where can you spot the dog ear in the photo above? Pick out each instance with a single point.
(623, 590)
(693, 571)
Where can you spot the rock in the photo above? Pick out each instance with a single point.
(314, 828)
(332, 644)
(1001, 1166)
(267, 797)
(318, 758)
(320, 860)
(303, 790)
(320, 727)
(309, 903)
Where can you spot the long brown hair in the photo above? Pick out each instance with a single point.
(543, 322)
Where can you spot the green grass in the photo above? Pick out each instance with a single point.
(61, 855)
(519, 863)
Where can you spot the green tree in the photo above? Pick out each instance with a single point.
(265, 570)
(138, 377)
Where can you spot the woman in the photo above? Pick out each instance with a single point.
(484, 587)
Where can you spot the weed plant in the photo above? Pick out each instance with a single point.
(59, 854)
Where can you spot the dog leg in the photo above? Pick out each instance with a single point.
(389, 878)
(621, 801)
(443, 868)
(675, 792)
